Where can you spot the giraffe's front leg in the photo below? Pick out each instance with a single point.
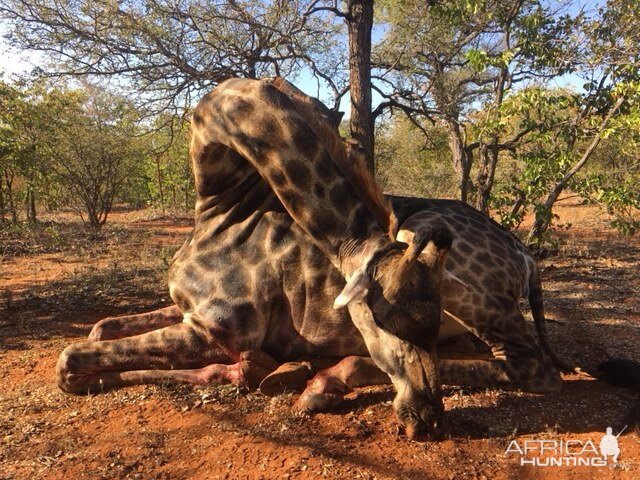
(183, 352)
(129, 325)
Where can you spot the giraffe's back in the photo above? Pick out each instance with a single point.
(487, 270)
(483, 254)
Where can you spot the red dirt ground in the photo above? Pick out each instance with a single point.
(51, 296)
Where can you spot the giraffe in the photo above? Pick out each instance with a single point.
(266, 288)
(252, 288)
(263, 176)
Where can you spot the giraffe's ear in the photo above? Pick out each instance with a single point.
(356, 288)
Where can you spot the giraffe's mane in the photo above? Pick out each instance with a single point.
(352, 163)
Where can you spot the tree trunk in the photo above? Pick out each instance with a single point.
(10, 203)
(26, 204)
(92, 216)
(544, 216)
(31, 205)
(160, 186)
(489, 153)
(462, 159)
(486, 174)
(360, 22)
(2, 207)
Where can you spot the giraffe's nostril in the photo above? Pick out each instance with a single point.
(420, 424)
(414, 432)
(422, 432)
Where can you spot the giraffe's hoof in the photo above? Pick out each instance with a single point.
(259, 357)
(105, 329)
(318, 402)
(252, 374)
(289, 377)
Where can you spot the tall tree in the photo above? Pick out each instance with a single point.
(24, 135)
(359, 19)
(360, 22)
(10, 110)
(442, 63)
(97, 151)
(611, 98)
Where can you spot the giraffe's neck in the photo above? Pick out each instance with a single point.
(262, 125)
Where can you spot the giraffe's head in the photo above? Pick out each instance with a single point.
(393, 288)
(394, 299)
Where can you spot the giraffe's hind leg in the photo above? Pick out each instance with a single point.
(327, 388)
(518, 361)
(129, 325)
(184, 352)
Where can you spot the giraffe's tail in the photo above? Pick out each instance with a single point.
(616, 371)
(621, 373)
(537, 310)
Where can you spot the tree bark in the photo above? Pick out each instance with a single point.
(486, 174)
(10, 203)
(160, 185)
(462, 159)
(2, 212)
(360, 22)
(543, 219)
(489, 153)
(31, 205)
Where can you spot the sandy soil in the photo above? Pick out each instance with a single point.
(51, 296)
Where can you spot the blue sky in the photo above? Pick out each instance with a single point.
(308, 84)
(11, 61)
